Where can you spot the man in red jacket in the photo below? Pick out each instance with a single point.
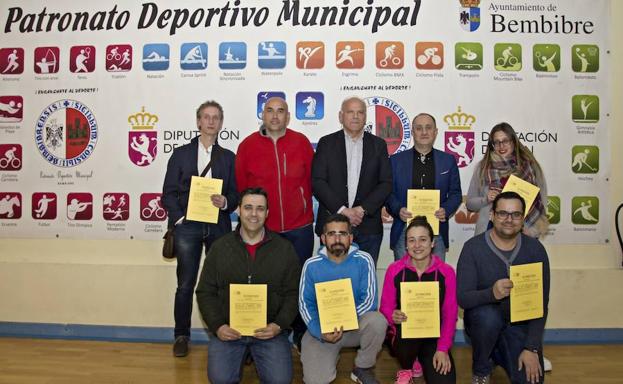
(279, 160)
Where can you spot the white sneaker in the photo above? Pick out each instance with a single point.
(547, 365)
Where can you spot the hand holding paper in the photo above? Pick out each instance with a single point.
(200, 206)
(336, 306)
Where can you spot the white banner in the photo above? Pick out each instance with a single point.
(93, 98)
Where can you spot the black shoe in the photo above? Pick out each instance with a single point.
(181, 346)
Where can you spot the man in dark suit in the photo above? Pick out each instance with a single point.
(202, 156)
(423, 167)
(351, 175)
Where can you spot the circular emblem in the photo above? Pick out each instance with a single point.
(388, 120)
(66, 133)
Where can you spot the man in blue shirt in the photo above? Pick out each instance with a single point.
(340, 259)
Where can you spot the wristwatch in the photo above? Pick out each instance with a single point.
(532, 350)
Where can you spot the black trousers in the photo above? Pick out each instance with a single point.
(407, 350)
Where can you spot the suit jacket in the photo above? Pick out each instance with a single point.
(182, 166)
(329, 180)
(447, 181)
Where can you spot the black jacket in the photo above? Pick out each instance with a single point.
(330, 180)
(182, 167)
(228, 262)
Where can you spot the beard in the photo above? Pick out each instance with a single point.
(337, 249)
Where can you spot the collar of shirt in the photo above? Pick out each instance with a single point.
(354, 140)
(420, 156)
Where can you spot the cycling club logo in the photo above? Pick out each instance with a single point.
(11, 109)
(10, 157)
(44, 205)
(10, 205)
(66, 133)
(142, 138)
(151, 207)
(116, 206)
(79, 206)
(11, 61)
(388, 120)
(459, 138)
(390, 55)
(469, 14)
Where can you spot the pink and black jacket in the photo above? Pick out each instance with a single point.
(402, 270)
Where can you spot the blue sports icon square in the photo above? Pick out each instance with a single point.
(156, 57)
(309, 105)
(271, 54)
(263, 97)
(194, 56)
(232, 55)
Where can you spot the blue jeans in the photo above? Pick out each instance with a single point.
(303, 241)
(369, 243)
(272, 357)
(400, 248)
(494, 340)
(190, 238)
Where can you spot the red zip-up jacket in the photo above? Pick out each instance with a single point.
(283, 169)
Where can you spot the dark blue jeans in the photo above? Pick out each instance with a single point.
(190, 239)
(369, 243)
(272, 357)
(494, 340)
(303, 241)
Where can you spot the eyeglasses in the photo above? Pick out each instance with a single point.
(503, 215)
(500, 143)
(337, 234)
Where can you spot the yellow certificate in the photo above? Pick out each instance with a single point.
(419, 300)
(247, 307)
(424, 202)
(200, 207)
(336, 305)
(524, 189)
(527, 292)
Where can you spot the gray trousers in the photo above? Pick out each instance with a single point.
(320, 358)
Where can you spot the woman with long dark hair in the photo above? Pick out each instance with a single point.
(506, 156)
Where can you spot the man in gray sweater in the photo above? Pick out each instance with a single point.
(483, 290)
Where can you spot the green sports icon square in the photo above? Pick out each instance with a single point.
(585, 159)
(507, 57)
(585, 108)
(585, 210)
(585, 58)
(546, 57)
(468, 56)
(552, 210)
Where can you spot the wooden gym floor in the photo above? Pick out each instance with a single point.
(43, 361)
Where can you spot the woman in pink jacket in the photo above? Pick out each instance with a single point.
(419, 264)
